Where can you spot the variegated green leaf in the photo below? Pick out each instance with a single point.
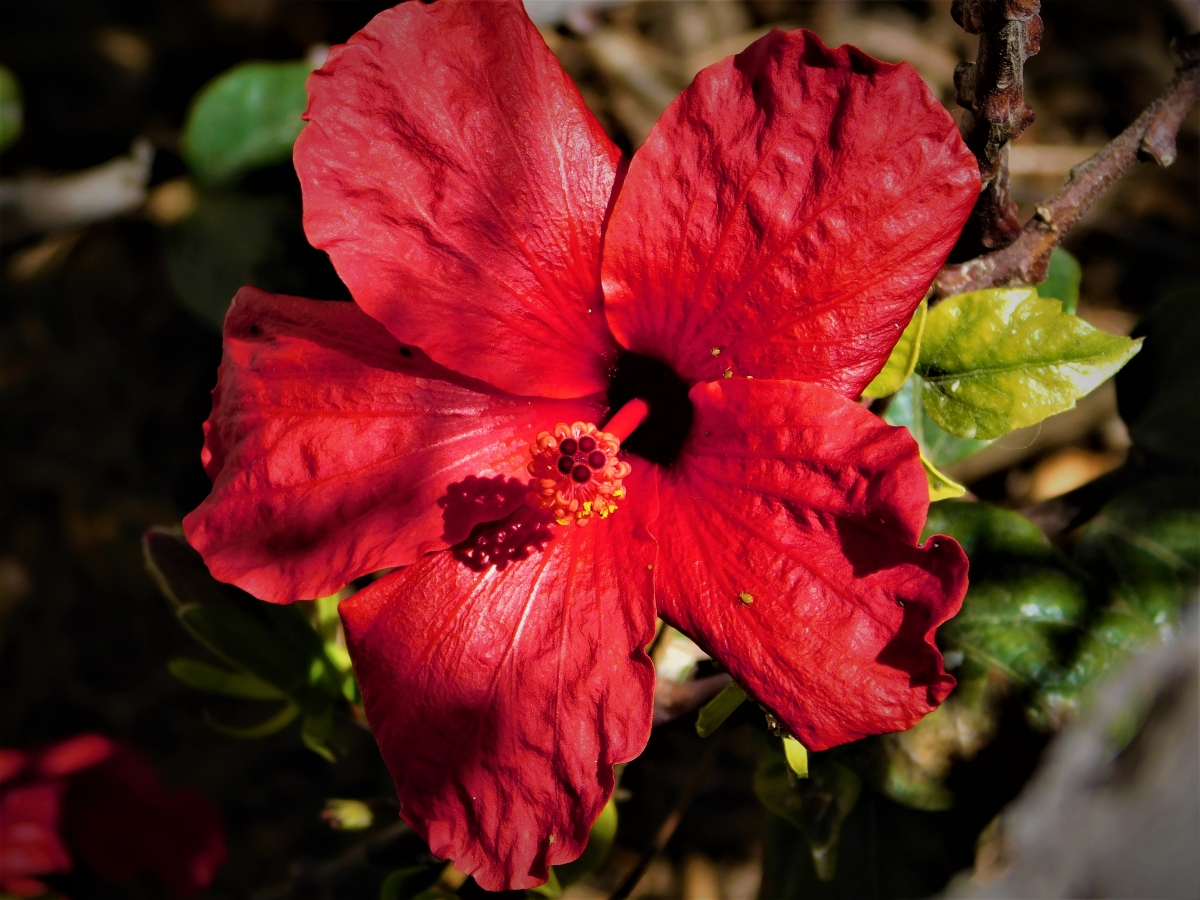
(1001, 359)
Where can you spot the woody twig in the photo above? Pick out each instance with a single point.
(992, 92)
(1150, 137)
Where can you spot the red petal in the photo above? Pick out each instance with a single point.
(73, 755)
(502, 698)
(458, 182)
(789, 209)
(335, 451)
(11, 763)
(810, 506)
(120, 820)
(29, 842)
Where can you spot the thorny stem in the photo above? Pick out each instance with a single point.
(1151, 136)
(991, 90)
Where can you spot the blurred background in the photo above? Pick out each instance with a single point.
(124, 232)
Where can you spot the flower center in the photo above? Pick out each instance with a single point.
(576, 473)
(660, 438)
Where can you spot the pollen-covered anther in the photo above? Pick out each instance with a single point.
(576, 473)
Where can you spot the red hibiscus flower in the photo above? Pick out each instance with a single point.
(727, 294)
(99, 801)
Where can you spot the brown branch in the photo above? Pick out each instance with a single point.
(992, 92)
(1151, 136)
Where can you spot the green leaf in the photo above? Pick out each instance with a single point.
(1062, 280)
(1156, 392)
(274, 724)
(940, 448)
(714, 713)
(273, 642)
(345, 814)
(1001, 359)
(599, 845)
(230, 240)
(204, 677)
(322, 736)
(1022, 596)
(1144, 547)
(244, 119)
(903, 358)
(797, 757)
(247, 642)
(940, 487)
(817, 805)
(12, 112)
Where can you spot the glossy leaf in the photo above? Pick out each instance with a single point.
(1062, 281)
(244, 119)
(12, 112)
(1144, 547)
(940, 448)
(903, 358)
(940, 487)
(1001, 359)
(204, 677)
(714, 713)
(1156, 392)
(1021, 599)
(1145, 544)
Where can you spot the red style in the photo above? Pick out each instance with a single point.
(746, 276)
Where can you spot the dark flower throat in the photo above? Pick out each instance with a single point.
(660, 438)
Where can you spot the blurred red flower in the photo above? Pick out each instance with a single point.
(99, 801)
(745, 275)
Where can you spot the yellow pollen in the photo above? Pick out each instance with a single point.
(729, 372)
(746, 598)
(563, 493)
(716, 351)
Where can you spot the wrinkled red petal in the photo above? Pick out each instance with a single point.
(458, 182)
(787, 539)
(789, 210)
(503, 688)
(119, 819)
(335, 451)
